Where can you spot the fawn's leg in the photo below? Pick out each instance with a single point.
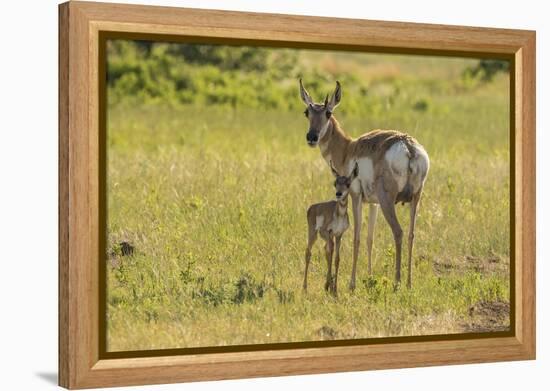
(312, 237)
(387, 204)
(329, 246)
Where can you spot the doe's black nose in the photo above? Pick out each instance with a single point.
(312, 137)
(338, 194)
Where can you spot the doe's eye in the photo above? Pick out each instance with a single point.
(328, 113)
(306, 112)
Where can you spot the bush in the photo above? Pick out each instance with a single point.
(215, 75)
(487, 69)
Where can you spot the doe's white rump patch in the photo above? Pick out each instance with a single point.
(397, 157)
(420, 165)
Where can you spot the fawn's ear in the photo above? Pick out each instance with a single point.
(355, 172)
(334, 172)
(334, 98)
(305, 95)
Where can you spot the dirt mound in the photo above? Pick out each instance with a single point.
(469, 263)
(488, 316)
(327, 333)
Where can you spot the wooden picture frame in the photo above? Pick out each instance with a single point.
(81, 25)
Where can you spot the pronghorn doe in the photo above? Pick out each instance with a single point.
(393, 167)
(330, 220)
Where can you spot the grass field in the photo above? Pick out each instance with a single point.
(213, 200)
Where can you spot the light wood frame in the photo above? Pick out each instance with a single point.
(80, 24)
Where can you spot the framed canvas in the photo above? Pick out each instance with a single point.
(204, 179)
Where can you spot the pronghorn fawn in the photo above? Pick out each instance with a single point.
(330, 220)
(393, 168)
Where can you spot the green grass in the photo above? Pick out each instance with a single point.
(214, 201)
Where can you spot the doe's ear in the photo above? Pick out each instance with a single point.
(334, 172)
(305, 95)
(335, 97)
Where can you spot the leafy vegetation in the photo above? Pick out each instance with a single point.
(487, 69)
(209, 178)
(260, 78)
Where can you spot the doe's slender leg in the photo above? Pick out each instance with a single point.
(336, 264)
(373, 212)
(387, 204)
(414, 208)
(357, 220)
